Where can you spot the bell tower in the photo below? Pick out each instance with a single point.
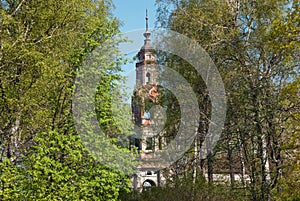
(145, 97)
(146, 82)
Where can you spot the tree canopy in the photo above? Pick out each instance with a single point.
(43, 47)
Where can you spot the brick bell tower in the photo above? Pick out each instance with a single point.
(145, 96)
(146, 68)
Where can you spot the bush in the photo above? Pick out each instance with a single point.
(185, 190)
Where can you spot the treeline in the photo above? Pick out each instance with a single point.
(43, 45)
(255, 46)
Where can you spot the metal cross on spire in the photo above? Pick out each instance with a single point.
(146, 20)
(147, 33)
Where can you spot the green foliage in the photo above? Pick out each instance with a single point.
(43, 46)
(289, 186)
(255, 45)
(59, 168)
(10, 189)
(186, 190)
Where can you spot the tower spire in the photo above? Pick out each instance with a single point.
(147, 33)
(146, 20)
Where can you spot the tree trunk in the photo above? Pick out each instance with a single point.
(195, 160)
(231, 163)
(210, 167)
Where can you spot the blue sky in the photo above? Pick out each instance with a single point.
(132, 13)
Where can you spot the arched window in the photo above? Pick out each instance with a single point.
(149, 143)
(148, 183)
(148, 78)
